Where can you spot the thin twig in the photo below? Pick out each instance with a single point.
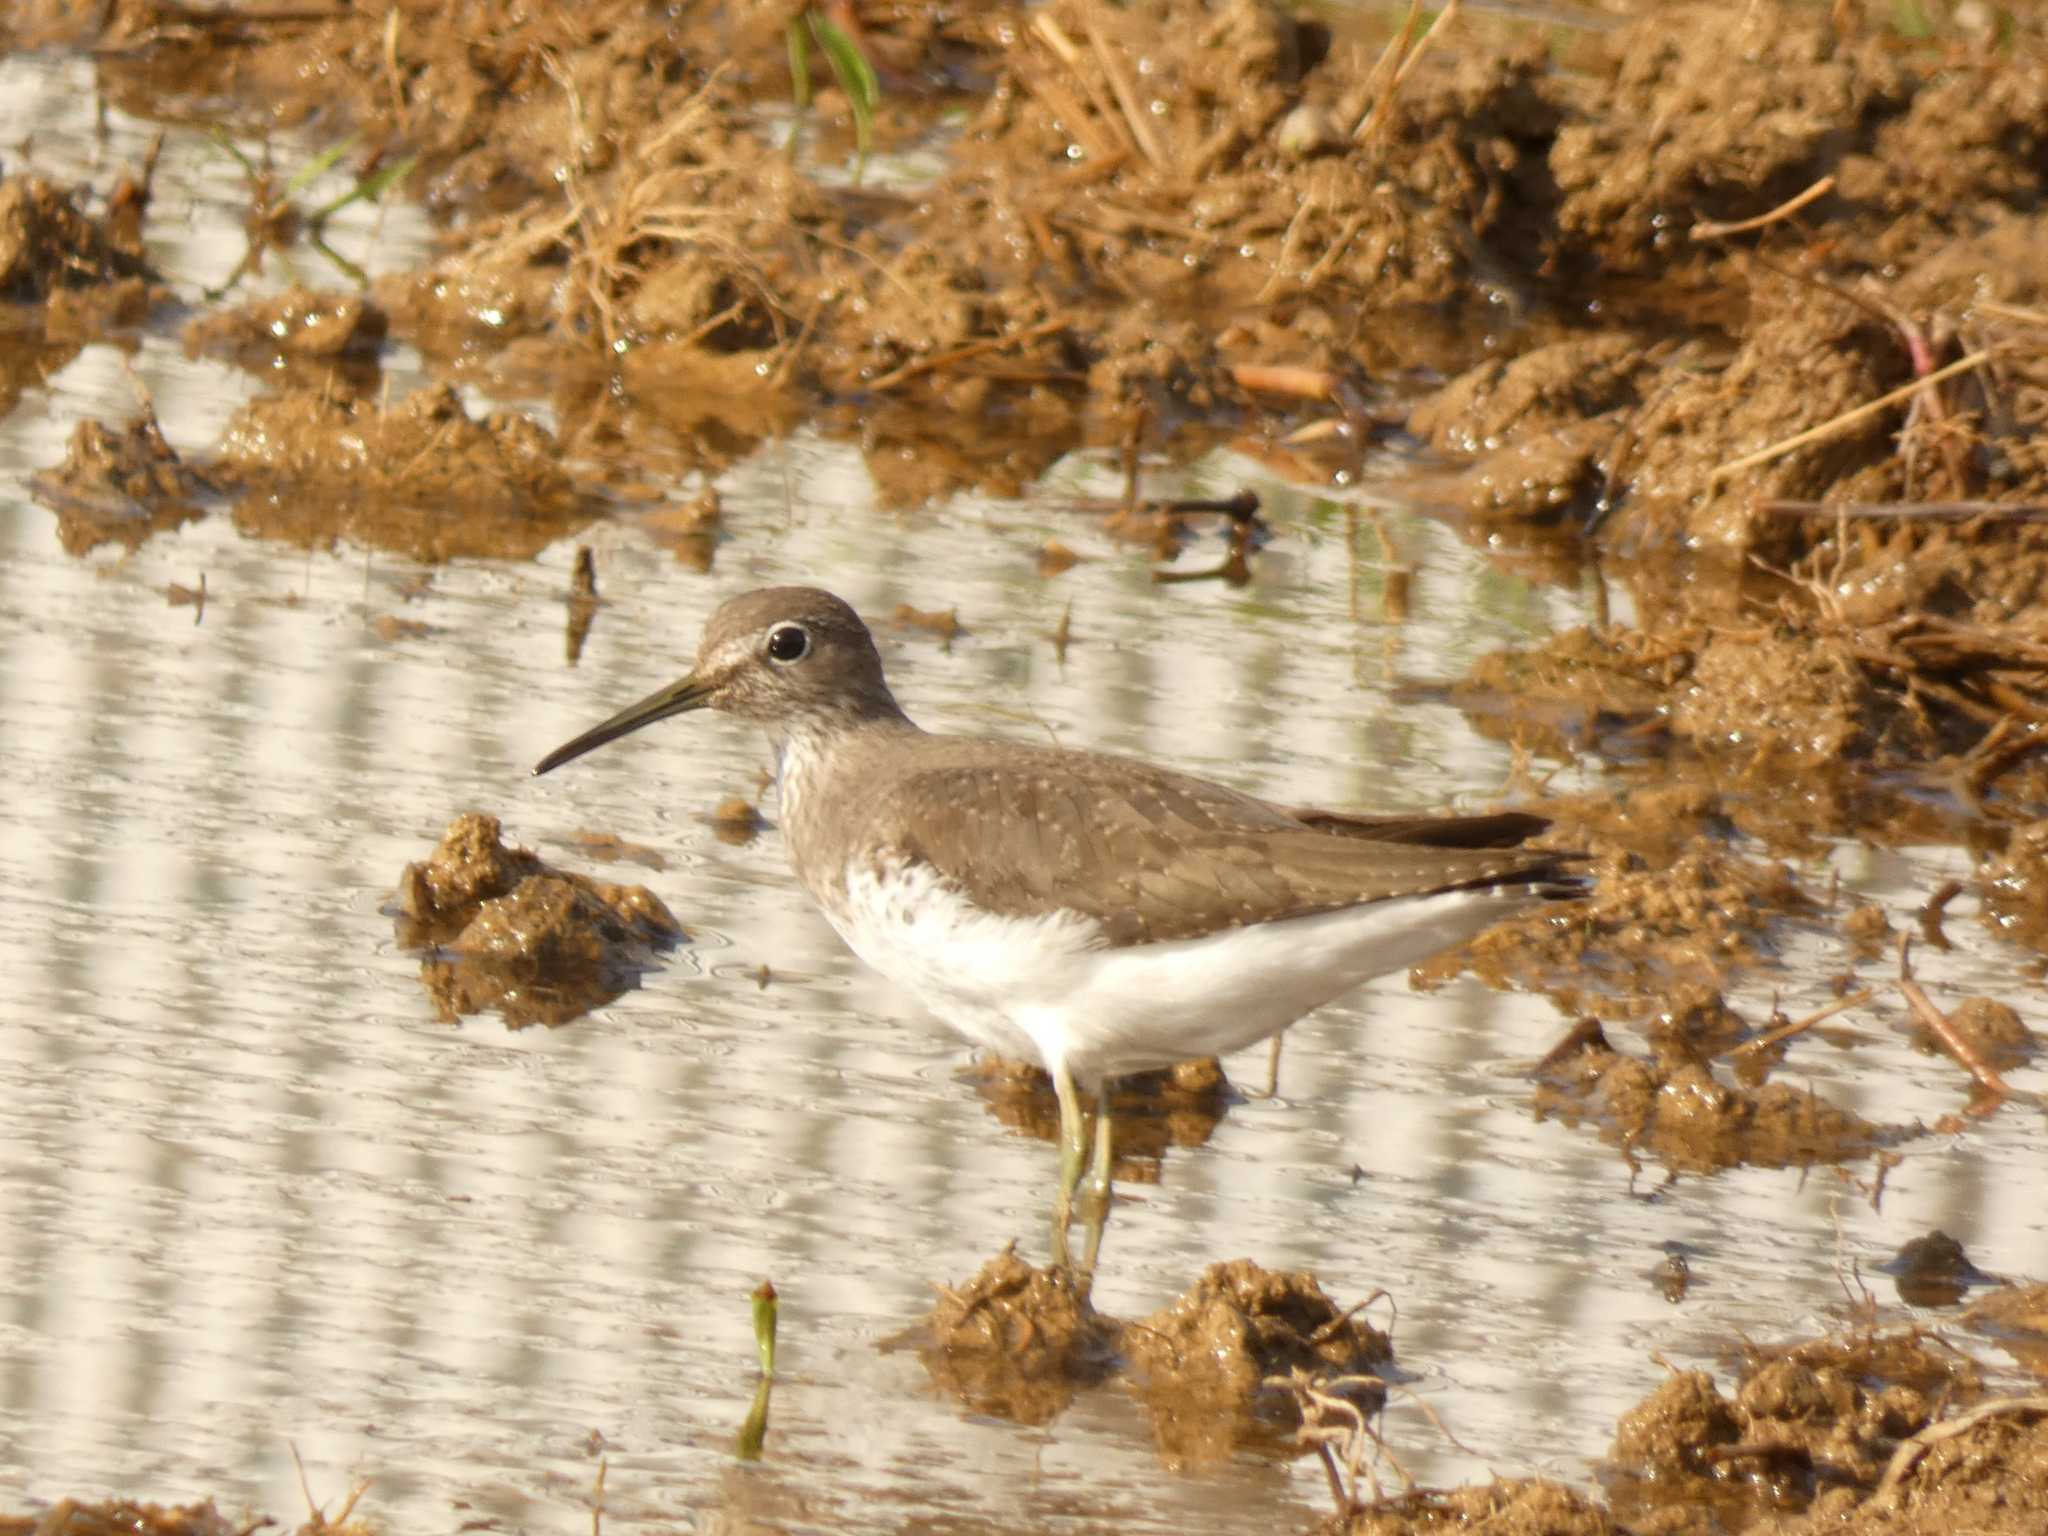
(911, 370)
(1931, 511)
(1717, 230)
(1389, 60)
(1910, 1450)
(1996, 1090)
(1846, 420)
(1141, 131)
(1285, 379)
(1765, 1041)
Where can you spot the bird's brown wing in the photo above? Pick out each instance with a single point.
(1152, 854)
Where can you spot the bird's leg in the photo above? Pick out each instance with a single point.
(1073, 1141)
(1095, 1192)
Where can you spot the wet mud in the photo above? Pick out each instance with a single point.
(1153, 1112)
(1735, 312)
(119, 486)
(1854, 1430)
(421, 478)
(1239, 1361)
(501, 930)
(1673, 1109)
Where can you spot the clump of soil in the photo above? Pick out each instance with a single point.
(1749, 108)
(1507, 1506)
(736, 820)
(1997, 1034)
(118, 487)
(1807, 1418)
(1016, 1341)
(66, 277)
(122, 1517)
(86, 273)
(423, 478)
(2015, 886)
(2015, 1317)
(1542, 426)
(1150, 1112)
(125, 1517)
(1670, 913)
(503, 930)
(1205, 1364)
(1675, 1109)
(278, 336)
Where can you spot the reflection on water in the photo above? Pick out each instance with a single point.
(258, 1195)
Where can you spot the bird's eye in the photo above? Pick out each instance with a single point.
(787, 643)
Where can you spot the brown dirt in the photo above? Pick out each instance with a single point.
(308, 340)
(1150, 1112)
(1673, 1108)
(119, 487)
(1209, 1364)
(1016, 1342)
(1212, 1367)
(422, 478)
(1505, 1507)
(126, 1517)
(503, 930)
(2014, 886)
(1992, 1029)
(2015, 1317)
(1168, 225)
(1805, 1420)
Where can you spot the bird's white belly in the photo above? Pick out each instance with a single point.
(1049, 987)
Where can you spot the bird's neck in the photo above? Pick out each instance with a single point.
(809, 750)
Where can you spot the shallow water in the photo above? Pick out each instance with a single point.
(258, 1198)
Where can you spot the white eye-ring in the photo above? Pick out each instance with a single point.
(788, 643)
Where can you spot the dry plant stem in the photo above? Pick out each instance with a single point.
(1910, 1450)
(1847, 419)
(1993, 756)
(987, 344)
(1389, 63)
(1069, 55)
(1927, 511)
(1765, 1041)
(1931, 913)
(1436, 29)
(1716, 231)
(1995, 1088)
(2000, 311)
(1134, 119)
(1283, 379)
(790, 353)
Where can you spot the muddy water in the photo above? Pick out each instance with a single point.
(259, 1198)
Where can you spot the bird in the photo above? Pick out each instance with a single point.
(1101, 914)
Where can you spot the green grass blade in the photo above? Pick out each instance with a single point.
(318, 166)
(856, 77)
(797, 38)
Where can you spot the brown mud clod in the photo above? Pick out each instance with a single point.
(119, 487)
(501, 929)
(1206, 1364)
(2015, 1318)
(1016, 1341)
(1674, 1109)
(1805, 1419)
(1150, 1112)
(423, 478)
(1211, 1367)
